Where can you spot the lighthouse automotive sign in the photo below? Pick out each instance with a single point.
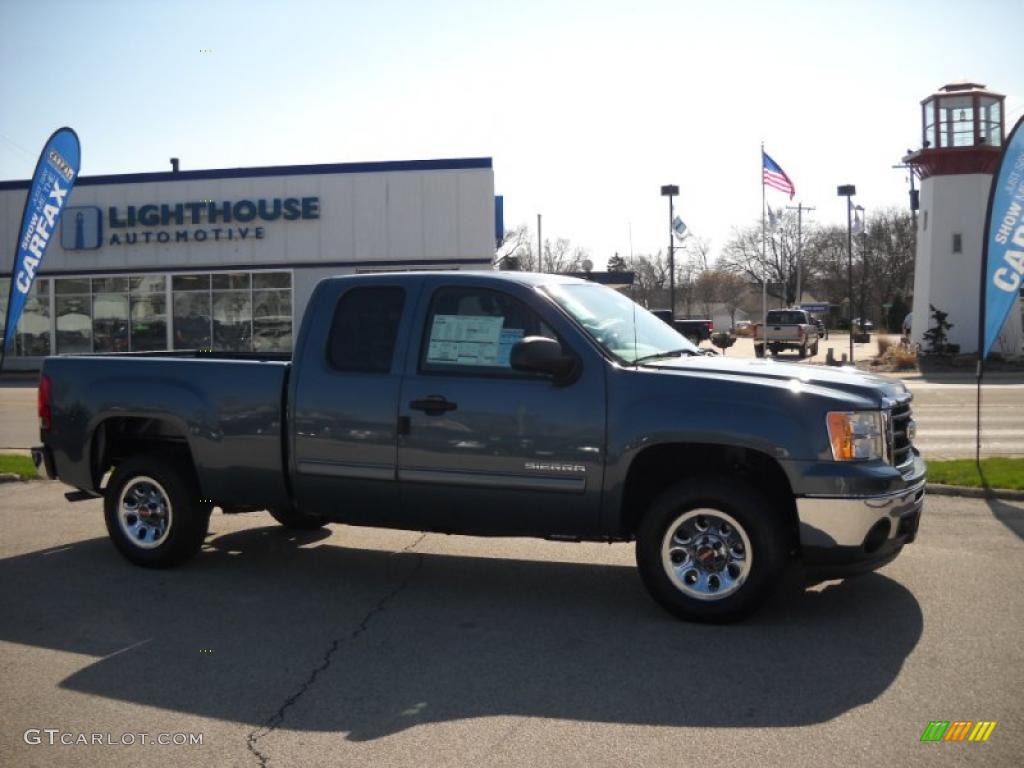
(51, 186)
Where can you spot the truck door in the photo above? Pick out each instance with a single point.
(345, 401)
(486, 449)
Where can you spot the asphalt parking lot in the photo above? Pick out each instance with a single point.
(375, 648)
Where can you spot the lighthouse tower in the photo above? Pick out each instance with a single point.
(962, 135)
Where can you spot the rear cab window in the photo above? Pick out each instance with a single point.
(786, 317)
(365, 329)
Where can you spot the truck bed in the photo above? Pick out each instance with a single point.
(228, 411)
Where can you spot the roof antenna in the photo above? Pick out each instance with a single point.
(174, 165)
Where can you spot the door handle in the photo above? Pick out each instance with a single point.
(433, 405)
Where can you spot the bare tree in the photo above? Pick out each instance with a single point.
(516, 250)
(777, 264)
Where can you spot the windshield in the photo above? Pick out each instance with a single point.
(625, 329)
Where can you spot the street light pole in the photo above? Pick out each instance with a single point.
(669, 191)
(848, 191)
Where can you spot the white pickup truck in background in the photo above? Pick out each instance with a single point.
(787, 329)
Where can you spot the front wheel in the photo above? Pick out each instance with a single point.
(710, 550)
(152, 510)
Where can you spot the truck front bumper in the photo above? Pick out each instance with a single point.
(849, 535)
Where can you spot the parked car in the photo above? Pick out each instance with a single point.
(743, 329)
(499, 404)
(695, 329)
(863, 325)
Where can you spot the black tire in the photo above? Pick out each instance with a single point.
(758, 351)
(170, 485)
(802, 351)
(297, 521)
(814, 350)
(753, 516)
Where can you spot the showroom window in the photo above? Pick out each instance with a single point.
(73, 305)
(148, 312)
(229, 311)
(232, 311)
(33, 331)
(191, 298)
(110, 313)
(272, 312)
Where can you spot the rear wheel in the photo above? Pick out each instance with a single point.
(802, 351)
(152, 510)
(759, 350)
(299, 521)
(710, 550)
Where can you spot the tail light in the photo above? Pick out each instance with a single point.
(711, 325)
(43, 402)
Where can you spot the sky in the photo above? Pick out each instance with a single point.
(587, 108)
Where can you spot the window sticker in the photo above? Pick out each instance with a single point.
(509, 336)
(465, 340)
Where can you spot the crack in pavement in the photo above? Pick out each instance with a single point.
(274, 721)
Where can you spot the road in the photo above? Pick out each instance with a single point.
(945, 412)
(377, 648)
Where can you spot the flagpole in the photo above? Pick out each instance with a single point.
(764, 260)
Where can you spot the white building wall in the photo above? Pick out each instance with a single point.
(437, 215)
(955, 204)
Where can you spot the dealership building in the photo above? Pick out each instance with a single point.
(227, 259)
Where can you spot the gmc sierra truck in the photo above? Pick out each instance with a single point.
(500, 404)
(787, 329)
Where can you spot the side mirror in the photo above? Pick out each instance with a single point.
(539, 354)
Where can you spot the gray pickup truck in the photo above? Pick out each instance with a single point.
(500, 404)
(787, 329)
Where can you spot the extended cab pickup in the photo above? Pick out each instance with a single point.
(506, 404)
(787, 329)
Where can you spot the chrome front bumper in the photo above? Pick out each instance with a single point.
(867, 522)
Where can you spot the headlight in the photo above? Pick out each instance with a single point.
(855, 435)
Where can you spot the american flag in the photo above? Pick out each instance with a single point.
(773, 176)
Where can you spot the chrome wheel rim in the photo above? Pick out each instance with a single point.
(144, 512)
(706, 554)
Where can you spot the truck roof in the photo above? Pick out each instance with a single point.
(523, 278)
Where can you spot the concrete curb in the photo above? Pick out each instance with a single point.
(975, 493)
(9, 477)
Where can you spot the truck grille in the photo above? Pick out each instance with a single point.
(900, 444)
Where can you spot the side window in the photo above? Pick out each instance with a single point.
(364, 329)
(474, 329)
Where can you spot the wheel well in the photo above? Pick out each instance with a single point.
(122, 436)
(660, 466)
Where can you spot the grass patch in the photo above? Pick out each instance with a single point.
(19, 465)
(995, 473)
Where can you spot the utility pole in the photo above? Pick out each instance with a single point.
(914, 201)
(540, 248)
(800, 208)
